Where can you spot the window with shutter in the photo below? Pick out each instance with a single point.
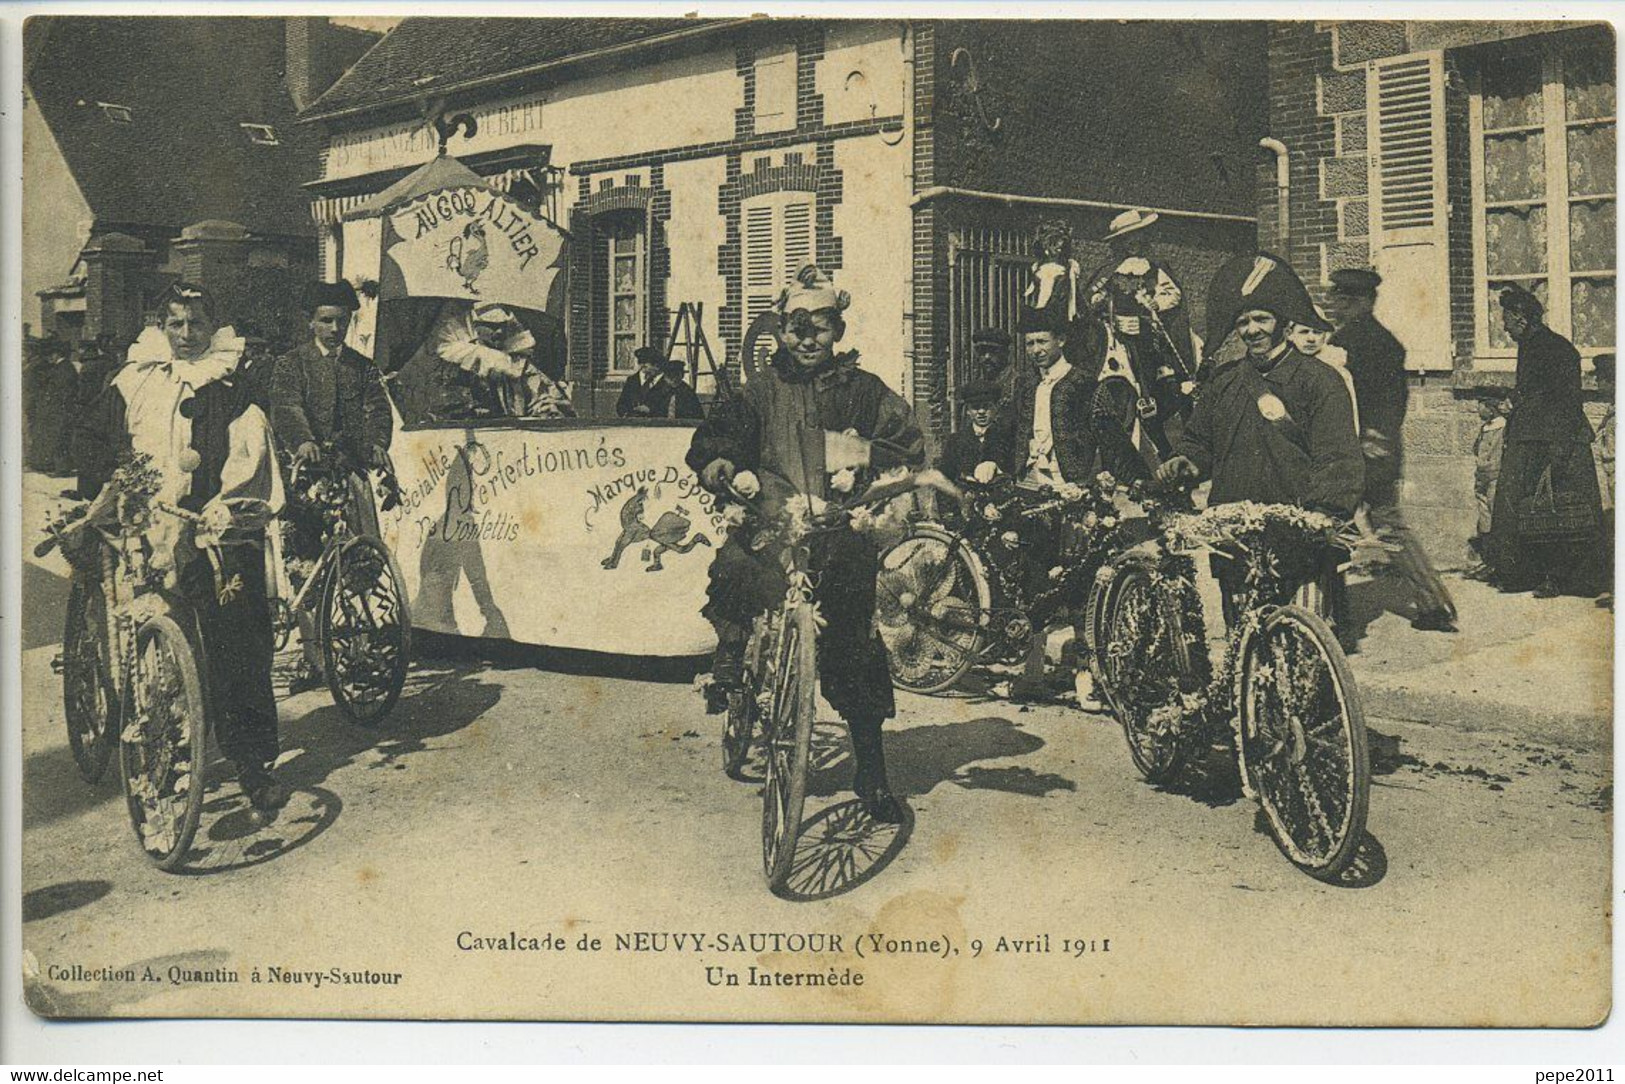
(1406, 174)
(1409, 145)
(1543, 154)
(777, 234)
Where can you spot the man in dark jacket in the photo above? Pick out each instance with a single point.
(793, 430)
(973, 443)
(657, 389)
(326, 394)
(1277, 426)
(1048, 438)
(1376, 363)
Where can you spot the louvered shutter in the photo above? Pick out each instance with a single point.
(1409, 215)
(761, 268)
(798, 235)
(777, 235)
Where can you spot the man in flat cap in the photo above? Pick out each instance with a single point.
(973, 442)
(1376, 364)
(812, 422)
(1275, 427)
(990, 353)
(324, 395)
(657, 389)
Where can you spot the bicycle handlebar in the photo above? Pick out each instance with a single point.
(835, 514)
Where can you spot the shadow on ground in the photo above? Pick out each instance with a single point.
(921, 757)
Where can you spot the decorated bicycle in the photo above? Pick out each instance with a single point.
(1282, 693)
(348, 602)
(952, 596)
(133, 666)
(774, 702)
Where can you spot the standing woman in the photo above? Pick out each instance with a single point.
(1546, 526)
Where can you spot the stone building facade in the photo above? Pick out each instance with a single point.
(1453, 158)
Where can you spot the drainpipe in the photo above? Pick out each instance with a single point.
(1283, 187)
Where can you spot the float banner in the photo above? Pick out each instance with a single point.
(598, 539)
(472, 243)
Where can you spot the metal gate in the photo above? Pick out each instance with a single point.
(988, 275)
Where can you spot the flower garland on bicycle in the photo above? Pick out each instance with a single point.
(186, 401)
(1273, 426)
(811, 425)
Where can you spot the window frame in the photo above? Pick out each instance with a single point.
(1557, 198)
(609, 225)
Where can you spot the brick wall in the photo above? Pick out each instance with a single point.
(1317, 97)
(930, 298)
(1140, 113)
(1311, 106)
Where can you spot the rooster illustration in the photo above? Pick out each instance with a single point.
(667, 533)
(468, 255)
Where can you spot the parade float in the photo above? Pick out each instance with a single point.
(566, 533)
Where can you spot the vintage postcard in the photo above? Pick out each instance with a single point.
(798, 519)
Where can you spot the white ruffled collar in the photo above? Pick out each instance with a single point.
(225, 353)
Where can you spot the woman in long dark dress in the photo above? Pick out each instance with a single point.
(1547, 430)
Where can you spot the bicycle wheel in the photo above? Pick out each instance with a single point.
(163, 746)
(739, 725)
(932, 599)
(787, 738)
(366, 632)
(282, 624)
(89, 700)
(1303, 742)
(1149, 666)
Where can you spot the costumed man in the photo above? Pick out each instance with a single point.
(1546, 461)
(812, 423)
(181, 400)
(1052, 284)
(657, 389)
(1274, 426)
(1140, 311)
(1047, 440)
(324, 393)
(1376, 364)
(454, 373)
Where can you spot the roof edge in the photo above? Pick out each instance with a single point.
(313, 114)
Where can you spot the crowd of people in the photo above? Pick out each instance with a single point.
(1282, 403)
